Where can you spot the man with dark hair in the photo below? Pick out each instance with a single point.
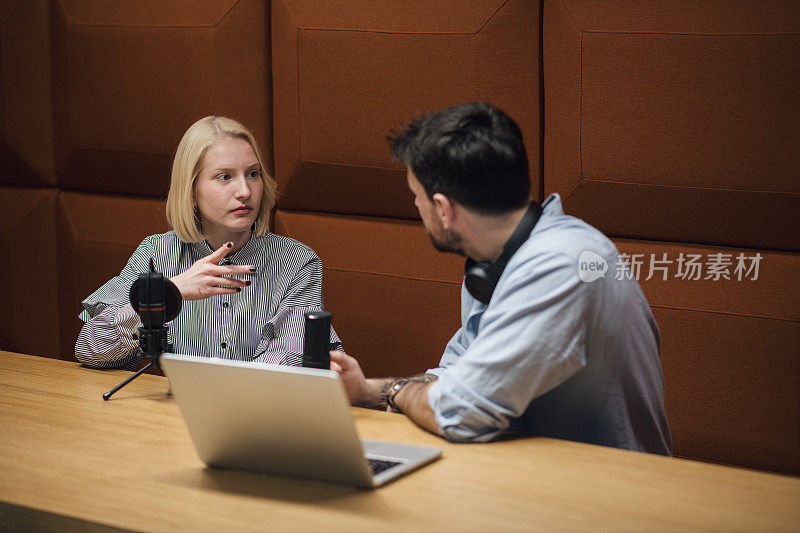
(549, 345)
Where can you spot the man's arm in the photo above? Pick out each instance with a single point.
(412, 399)
(530, 339)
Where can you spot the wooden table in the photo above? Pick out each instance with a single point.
(69, 460)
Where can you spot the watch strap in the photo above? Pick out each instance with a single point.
(392, 391)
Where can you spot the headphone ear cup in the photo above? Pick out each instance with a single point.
(480, 280)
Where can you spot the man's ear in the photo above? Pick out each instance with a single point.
(445, 209)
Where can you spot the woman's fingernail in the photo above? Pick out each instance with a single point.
(247, 282)
(238, 289)
(252, 269)
(229, 244)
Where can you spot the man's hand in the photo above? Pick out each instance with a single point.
(412, 398)
(207, 278)
(361, 391)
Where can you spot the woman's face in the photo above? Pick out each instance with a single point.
(228, 188)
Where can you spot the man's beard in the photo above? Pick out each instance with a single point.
(451, 244)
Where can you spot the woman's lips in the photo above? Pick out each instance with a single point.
(241, 210)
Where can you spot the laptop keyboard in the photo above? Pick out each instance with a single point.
(377, 465)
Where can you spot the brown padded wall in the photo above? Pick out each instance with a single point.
(26, 122)
(730, 354)
(677, 121)
(674, 121)
(395, 301)
(131, 76)
(29, 314)
(346, 74)
(94, 244)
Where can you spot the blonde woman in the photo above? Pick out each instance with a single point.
(244, 289)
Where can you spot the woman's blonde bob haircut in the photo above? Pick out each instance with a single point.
(181, 212)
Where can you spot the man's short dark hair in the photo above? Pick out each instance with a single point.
(471, 153)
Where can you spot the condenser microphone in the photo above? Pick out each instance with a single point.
(316, 343)
(152, 304)
(158, 301)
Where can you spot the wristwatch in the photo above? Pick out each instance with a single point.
(392, 391)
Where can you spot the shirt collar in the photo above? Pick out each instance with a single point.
(242, 256)
(552, 205)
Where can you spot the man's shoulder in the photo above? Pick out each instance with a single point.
(555, 251)
(569, 237)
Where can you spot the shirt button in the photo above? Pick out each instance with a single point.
(223, 345)
(225, 304)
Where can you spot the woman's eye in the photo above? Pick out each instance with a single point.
(224, 177)
(253, 174)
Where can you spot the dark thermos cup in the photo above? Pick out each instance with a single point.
(316, 344)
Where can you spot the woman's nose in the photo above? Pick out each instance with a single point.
(243, 189)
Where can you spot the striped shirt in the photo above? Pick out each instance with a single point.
(264, 322)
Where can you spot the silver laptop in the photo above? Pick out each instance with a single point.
(282, 420)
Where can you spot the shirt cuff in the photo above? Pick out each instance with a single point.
(126, 322)
(460, 420)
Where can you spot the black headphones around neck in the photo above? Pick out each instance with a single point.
(482, 277)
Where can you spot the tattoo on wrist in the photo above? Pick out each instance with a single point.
(423, 378)
(386, 386)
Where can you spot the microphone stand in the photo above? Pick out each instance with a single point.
(148, 293)
(155, 338)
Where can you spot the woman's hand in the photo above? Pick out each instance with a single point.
(205, 277)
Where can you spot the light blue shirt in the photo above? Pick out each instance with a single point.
(554, 355)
